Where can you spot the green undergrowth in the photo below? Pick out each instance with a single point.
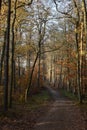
(69, 95)
(37, 100)
(74, 98)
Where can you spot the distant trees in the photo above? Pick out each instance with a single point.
(8, 14)
(75, 14)
(81, 43)
(21, 43)
(40, 26)
(38, 42)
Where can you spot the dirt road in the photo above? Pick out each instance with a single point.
(63, 114)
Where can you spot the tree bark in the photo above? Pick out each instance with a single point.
(78, 36)
(30, 80)
(2, 57)
(6, 64)
(78, 70)
(12, 58)
(0, 4)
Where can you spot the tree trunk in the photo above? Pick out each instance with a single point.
(19, 69)
(6, 64)
(78, 70)
(84, 11)
(0, 4)
(39, 58)
(85, 20)
(30, 80)
(2, 58)
(51, 70)
(78, 36)
(12, 58)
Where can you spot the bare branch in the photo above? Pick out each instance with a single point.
(25, 4)
(65, 13)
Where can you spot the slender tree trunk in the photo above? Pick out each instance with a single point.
(60, 76)
(12, 58)
(54, 71)
(51, 70)
(84, 10)
(41, 36)
(39, 58)
(30, 80)
(14, 76)
(78, 69)
(29, 59)
(6, 64)
(19, 69)
(0, 4)
(85, 20)
(2, 58)
(77, 35)
(28, 63)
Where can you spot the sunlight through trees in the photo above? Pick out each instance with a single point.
(42, 41)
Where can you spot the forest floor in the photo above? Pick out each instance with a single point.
(55, 113)
(63, 114)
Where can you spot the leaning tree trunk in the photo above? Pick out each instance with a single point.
(30, 80)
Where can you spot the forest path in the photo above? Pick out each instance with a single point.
(63, 114)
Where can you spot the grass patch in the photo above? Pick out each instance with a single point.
(35, 102)
(69, 95)
(39, 99)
